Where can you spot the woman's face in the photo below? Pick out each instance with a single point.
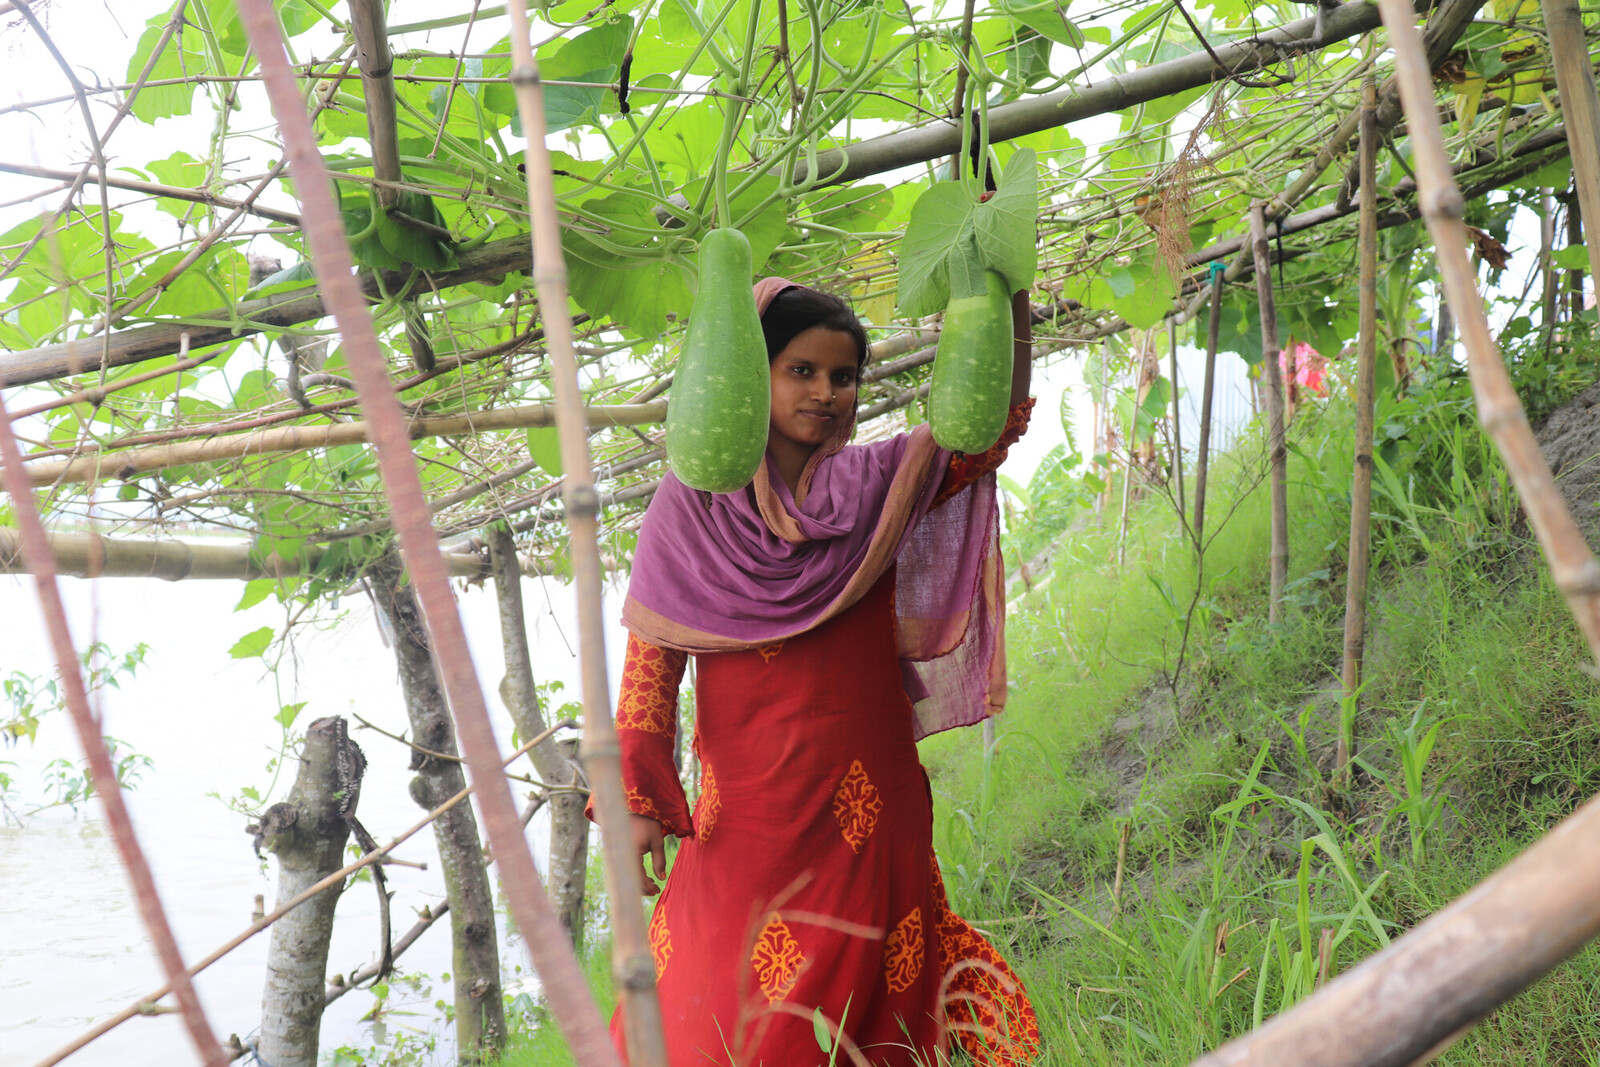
(813, 387)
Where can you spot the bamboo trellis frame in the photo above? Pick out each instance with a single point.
(1578, 574)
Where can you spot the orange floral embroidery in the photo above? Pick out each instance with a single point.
(770, 652)
(856, 805)
(986, 1007)
(903, 952)
(649, 697)
(660, 939)
(705, 816)
(639, 804)
(777, 958)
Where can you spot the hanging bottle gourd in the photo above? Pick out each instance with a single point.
(720, 407)
(970, 394)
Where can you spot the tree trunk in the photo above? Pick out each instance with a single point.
(480, 1014)
(552, 760)
(307, 833)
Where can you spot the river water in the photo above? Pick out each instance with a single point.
(72, 947)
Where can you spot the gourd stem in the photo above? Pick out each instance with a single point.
(748, 58)
(963, 172)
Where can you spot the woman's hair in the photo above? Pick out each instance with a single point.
(796, 310)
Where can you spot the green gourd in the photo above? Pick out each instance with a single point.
(720, 408)
(970, 394)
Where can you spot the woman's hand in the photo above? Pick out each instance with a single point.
(649, 840)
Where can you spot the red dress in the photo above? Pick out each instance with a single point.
(806, 884)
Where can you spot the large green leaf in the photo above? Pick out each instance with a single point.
(162, 101)
(595, 55)
(951, 239)
(1006, 225)
(941, 224)
(1048, 18)
(638, 291)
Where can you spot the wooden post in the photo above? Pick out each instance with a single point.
(1547, 249)
(1355, 595)
(1177, 431)
(1203, 454)
(1574, 238)
(1277, 448)
(1122, 513)
(633, 966)
(1580, 111)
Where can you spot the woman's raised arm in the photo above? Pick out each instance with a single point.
(1021, 347)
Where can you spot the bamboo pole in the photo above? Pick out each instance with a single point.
(1177, 432)
(633, 966)
(1580, 110)
(1355, 595)
(1574, 238)
(1549, 302)
(92, 555)
(199, 195)
(1452, 970)
(568, 996)
(377, 85)
(938, 138)
(1574, 568)
(1202, 464)
(1273, 387)
(134, 462)
(493, 259)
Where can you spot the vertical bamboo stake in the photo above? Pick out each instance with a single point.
(1574, 568)
(1547, 251)
(570, 1003)
(1574, 236)
(1203, 455)
(633, 967)
(40, 562)
(1355, 594)
(1277, 448)
(1177, 432)
(1122, 516)
(1580, 111)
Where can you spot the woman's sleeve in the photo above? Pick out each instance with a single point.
(965, 469)
(647, 729)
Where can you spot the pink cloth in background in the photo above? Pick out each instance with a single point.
(1310, 368)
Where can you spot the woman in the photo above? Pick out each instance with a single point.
(843, 605)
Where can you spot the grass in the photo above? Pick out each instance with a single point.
(1248, 877)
